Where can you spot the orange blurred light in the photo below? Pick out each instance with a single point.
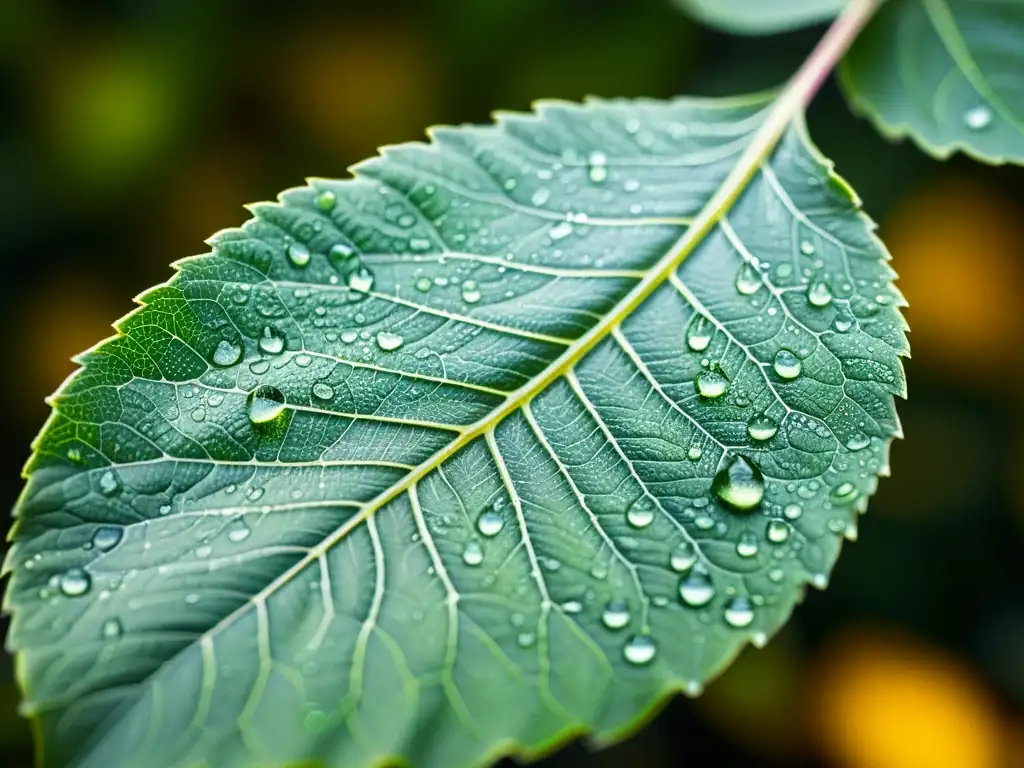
(883, 700)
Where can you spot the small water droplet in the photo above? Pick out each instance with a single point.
(198, 414)
(683, 557)
(844, 493)
(540, 196)
(560, 231)
(787, 365)
(762, 428)
(819, 294)
(238, 531)
(227, 353)
(694, 453)
(640, 649)
(842, 325)
(322, 391)
(739, 484)
(106, 537)
(473, 553)
(361, 280)
(470, 293)
(298, 254)
(75, 582)
(807, 248)
(739, 612)
(748, 279)
(978, 118)
(747, 546)
(711, 384)
(641, 513)
(109, 484)
(271, 341)
(698, 333)
(598, 170)
(616, 614)
(326, 200)
(792, 511)
(696, 589)
(265, 404)
(858, 442)
(424, 284)
(111, 629)
(165, 509)
(389, 342)
(490, 523)
(341, 252)
(777, 531)
(572, 606)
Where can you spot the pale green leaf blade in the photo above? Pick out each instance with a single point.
(946, 73)
(761, 17)
(488, 512)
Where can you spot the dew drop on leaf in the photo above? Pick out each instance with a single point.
(238, 532)
(227, 353)
(641, 513)
(424, 284)
(265, 404)
(298, 254)
(762, 428)
(683, 557)
(106, 537)
(739, 484)
(978, 118)
(322, 391)
(746, 545)
(694, 453)
(75, 582)
(777, 531)
(819, 294)
(844, 493)
(807, 248)
(739, 613)
(470, 293)
(361, 280)
(858, 442)
(473, 553)
(111, 629)
(326, 200)
(389, 342)
(490, 523)
(793, 511)
(640, 649)
(696, 589)
(341, 252)
(748, 280)
(271, 341)
(698, 334)
(787, 365)
(711, 384)
(109, 484)
(615, 614)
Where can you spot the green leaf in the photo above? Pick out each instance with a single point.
(946, 73)
(415, 465)
(761, 17)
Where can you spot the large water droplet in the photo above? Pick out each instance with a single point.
(777, 531)
(361, 280)
(711, 383)
(389, 342)
(298, 254)
(696, 589)
(641, 512)
(265, 404)
(473, 553)
(762, 428)
(739, 484)
(698, 333)
(787, 365)
(616, 614)
(747, 546)
(271, 341)
(819, 294)
(639, 649)
(748, 279)
(739, 612)
(978, 117)
(858, 442)
(490, 523)
(106, 537)
(227, 353)
(75, 582)
(683, 557)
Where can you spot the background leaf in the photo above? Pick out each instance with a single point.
(947, 73)
(343, 489)
(761, 17)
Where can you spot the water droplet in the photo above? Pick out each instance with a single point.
(807, 248)
(389, 342)
(698, 333)
(683, 557)
(361, 280)
(322, 391)
(748, 279)
(265, 404)
(238, 531)
(165, 509)
(526, 639)
(271, 341)
(777, 531)
(842, 325)
(470, 293)
(694, 453)
(711, 384)
(598, 169)
(341, 252)
(106, 537)
(696, 588)
(424, 284)
(787, 365)
(746, 546)
(111, 629)
(326, 200)
(739, 484)
(639, 649)
(739, 612)
(819, 294)
(560, 231)
(227, 353)
(75, 582)
(473, 553)
(641, 513)
(490, 523)
(616, 614)
(858, 442)
(198, 414)
(845, 493)
(315, 721)
(793, 511)
(540, 196)
(978, 117)
(298, 254)
(572, 606)
(109, 484)
(762, 428)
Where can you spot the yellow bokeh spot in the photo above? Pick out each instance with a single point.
(882, 700)
(956, 246)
